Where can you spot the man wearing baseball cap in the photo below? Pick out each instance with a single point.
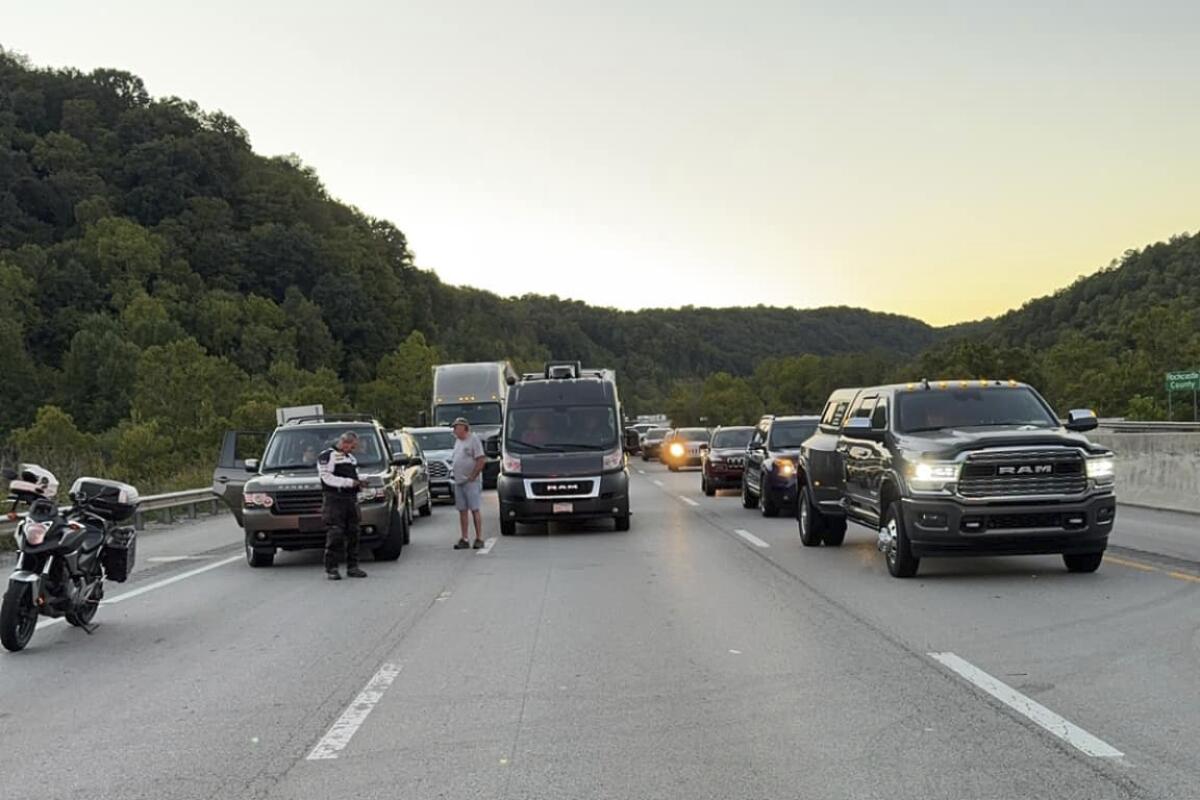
(466, 468)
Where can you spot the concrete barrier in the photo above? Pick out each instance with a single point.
(1156, 469)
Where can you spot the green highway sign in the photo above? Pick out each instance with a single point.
(1180, 381)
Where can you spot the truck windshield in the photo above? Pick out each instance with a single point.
(298, 448)
(691, 435)
(732, 437)
(562, 429)
(932, 410)
(435, 440)
(475, 413)
(791, 434)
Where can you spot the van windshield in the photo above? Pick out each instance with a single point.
(298, 448)
(562, 429)
(474, 413)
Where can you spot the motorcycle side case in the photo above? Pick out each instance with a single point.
(119, 554)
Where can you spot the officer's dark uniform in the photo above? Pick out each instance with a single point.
(339, 512)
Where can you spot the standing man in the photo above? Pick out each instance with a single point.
(339, 510)
(466, 466)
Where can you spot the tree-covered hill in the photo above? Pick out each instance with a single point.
(143, 236)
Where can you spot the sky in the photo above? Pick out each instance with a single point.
(944, 160)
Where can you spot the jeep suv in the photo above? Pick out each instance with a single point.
(957, 468)
(769, 479)
(277, 500)
(724, 459)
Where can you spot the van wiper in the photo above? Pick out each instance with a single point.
(543, 448)
(582, 446)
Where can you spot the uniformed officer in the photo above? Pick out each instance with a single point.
(339, 484)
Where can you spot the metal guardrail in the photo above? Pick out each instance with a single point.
(1132, 426)
(170, 505)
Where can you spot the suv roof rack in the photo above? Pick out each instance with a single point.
(333, 417)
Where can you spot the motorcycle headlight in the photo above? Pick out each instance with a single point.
(614, 460)
(933, 476)
(35, 532)
(257, 500)
(1102, 469)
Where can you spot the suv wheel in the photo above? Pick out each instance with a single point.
(748, 499)
(766, 503)
(810, 521)
(901, 563)
(1083, 562)
(426, 509)
(259, 556)
(508, 527)
(707, 488)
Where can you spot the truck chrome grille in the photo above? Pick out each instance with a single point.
(298, 503)
(438, 470)
(1023, 473)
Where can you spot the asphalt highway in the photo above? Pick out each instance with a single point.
(703, 654)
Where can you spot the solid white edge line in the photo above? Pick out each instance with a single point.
(343, 730)
(751, 538)
(150, 587)
(488, 544)
(689, 501)
(1030, 709)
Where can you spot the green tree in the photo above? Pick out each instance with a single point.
(99, 373)
(403, 383)
(54, 442)
(188, 392)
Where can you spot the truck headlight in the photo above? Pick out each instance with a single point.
(614, 460)
(1102, 469)
(932, 476)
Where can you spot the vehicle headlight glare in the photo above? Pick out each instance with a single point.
(676, 449)
(1102, 468)
(785, 468)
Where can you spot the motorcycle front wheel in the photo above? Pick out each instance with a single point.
(18, 617)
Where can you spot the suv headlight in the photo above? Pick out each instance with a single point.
(933, 476)
(1102, 469)
(784, 467)
(614, 460)
(257, 500)
(371, 494)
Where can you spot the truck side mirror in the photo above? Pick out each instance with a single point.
(1081, 419)
(860, 428)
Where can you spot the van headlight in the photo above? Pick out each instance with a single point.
(510, 465)
(1102, 469)
(614, 460)
(933, 476)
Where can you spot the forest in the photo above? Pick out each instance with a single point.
(160, 282)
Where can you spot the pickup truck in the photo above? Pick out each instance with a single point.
(952, 468)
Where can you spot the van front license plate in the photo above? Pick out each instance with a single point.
(564, 508)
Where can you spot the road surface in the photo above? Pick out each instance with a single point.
(704, 654)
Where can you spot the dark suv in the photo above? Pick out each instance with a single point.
(724, 460)
(769, 480)
(957, 468)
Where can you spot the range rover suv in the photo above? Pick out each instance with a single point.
(277, 499)
(957, 468)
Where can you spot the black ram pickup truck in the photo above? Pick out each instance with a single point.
(954, 468)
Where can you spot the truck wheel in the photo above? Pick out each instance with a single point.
(259, 557)
(810, 521)
(18, 617)
(748, 500)
(835, 532)
(901, 563)
(766, 503)
(397, 536)
(508, 527)
(1083, 562)
(622, 523)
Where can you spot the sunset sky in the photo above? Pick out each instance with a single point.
(945, 160)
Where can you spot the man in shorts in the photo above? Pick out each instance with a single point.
(466, 468)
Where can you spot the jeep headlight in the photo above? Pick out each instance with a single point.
(933, 476)
(677, 450)
(1102, 469)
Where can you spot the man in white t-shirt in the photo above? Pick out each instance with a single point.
(466, 469)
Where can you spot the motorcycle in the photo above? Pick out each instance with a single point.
(64, 557)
